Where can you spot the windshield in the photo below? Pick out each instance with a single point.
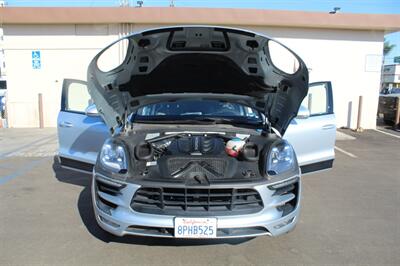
(189, 111)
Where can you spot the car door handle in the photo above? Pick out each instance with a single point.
(65, 124)
(328, 126)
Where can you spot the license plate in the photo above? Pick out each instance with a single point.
(195, 227)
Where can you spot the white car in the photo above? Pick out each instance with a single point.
(201, 132)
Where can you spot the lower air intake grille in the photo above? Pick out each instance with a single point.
(196, 201)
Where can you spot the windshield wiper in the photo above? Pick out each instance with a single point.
(179, 121)
(224, 120)
(202, 121)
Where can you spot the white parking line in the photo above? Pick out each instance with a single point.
(384, 132)
(345, 152)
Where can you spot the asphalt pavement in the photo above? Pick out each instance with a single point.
(350, 215)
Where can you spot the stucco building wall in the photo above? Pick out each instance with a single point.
(348, 58)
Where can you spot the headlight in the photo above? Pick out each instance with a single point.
(113, 156)
(280, 158)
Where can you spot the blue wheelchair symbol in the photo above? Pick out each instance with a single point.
(36, 61)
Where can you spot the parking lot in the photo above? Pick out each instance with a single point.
(350, 215)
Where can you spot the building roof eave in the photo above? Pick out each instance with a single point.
(180, 15)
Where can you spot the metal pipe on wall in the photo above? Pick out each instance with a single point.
(360, 105)
(40, 107)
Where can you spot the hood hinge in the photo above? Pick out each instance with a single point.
(267, 123)
(123, 122)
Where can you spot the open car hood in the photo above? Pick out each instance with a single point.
(198, 62)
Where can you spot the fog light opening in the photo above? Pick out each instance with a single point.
(284, 223)
(284, 183)
(104, 205)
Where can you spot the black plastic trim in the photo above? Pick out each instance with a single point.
(76, 164)
(309, 168)
(197, 202)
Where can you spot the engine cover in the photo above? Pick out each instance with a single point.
(196, 145)
(197, 157)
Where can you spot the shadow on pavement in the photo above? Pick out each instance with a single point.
(87, 215)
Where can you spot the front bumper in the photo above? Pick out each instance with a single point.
(123, 220)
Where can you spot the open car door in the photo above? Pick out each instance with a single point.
(313, 132)
(81, 131)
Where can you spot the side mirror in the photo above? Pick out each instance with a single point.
(91, 110)
(303, 112)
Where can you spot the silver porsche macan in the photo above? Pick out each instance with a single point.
(198, 132)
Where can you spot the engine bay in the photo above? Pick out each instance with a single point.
(197, 158)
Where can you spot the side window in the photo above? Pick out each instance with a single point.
(76, 97)
(318, 101)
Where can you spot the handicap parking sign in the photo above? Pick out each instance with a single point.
(36, 62)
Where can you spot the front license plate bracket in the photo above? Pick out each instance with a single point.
(185, 227)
